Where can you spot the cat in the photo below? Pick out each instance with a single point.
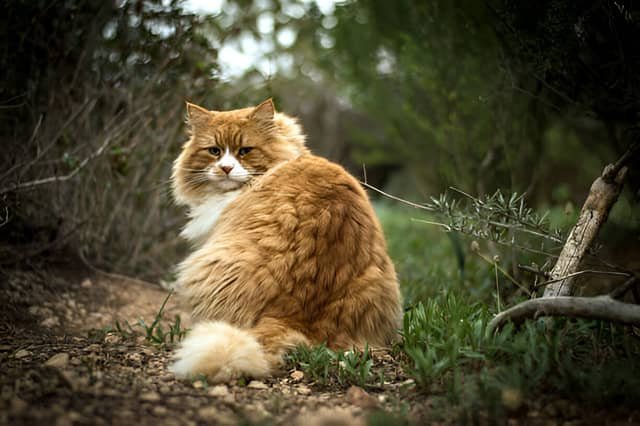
(288, 250)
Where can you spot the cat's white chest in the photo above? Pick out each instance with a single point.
(204, 216)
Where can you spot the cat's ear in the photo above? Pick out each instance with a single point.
(264, 112)
(196, 115)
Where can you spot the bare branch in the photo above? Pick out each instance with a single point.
(602, 196)
(51, 179)
(393, 197)
(601, 307)
(578, 273)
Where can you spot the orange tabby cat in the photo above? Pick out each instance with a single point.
(289, 250)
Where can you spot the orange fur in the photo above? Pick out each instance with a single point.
(297, 256)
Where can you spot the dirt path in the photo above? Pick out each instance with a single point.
(60, 366)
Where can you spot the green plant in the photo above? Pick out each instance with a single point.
(315, 361)
(354, 366)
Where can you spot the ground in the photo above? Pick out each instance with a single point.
(61, 365)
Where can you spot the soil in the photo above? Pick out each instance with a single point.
(60, 365)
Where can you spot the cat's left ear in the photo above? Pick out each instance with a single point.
(197, 116)
(264, 112)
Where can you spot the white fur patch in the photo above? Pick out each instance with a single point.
(221, 352)
(205, 215)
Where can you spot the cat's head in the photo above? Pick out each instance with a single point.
(228, 149)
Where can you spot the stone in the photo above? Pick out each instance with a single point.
(303, 390)
(86, 283)
(360, 398)
(50, 322)
(151, 396)
(159, 411)
(60, 360)
(297, 375)
(255, 384)
(208, 414)
(22, 353)
(219, 390)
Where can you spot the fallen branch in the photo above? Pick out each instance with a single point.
(602, 196)
(605, 307)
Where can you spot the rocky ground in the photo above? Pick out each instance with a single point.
(64, 362)
(61, 365)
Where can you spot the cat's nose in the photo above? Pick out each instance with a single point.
(226, 168)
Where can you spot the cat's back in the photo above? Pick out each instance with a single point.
(307, 208)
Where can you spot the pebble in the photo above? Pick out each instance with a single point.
(58, 360)
(297, 375)
(303, 390)
(18, 405)
(50, 322)
(255, 384)
(151, 396)
(209, 414)
(159, 411)
(112, 339)
(86, 283)
(360, 398)
(219, 390)
(22, 353)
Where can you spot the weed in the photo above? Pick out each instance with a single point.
(153, 333)
(325, 366)
(354, 366)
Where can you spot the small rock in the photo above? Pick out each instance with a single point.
(209, 414)
(511, 398)
(382, 398)
(112, 339)
(198, 384)
(159, 411)
(86, 283)
(255, 384)
(134, 357)
(58, 360)
(18, 405)
(408, 382)
(50, 322)
(151, 396)
(303, 390)
(360, 398)
(220, 390)
(297, 375)
(22, 353)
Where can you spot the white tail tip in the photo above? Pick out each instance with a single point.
(221, 352)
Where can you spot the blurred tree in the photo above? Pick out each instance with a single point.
(92, 92)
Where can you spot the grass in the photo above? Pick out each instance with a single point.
(451, 296)
(327, 367)
(154, 333)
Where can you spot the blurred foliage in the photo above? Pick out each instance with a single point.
(91, 118)
(472, 374)
(466, 93)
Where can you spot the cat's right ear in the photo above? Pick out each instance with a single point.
(196, 115)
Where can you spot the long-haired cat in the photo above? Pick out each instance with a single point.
(288, 248)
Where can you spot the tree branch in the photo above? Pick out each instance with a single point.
(602, 196)
(601, 307)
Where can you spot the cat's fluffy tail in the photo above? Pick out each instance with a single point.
(223, 352)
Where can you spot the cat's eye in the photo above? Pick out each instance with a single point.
(214, 150)
(244, 151)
